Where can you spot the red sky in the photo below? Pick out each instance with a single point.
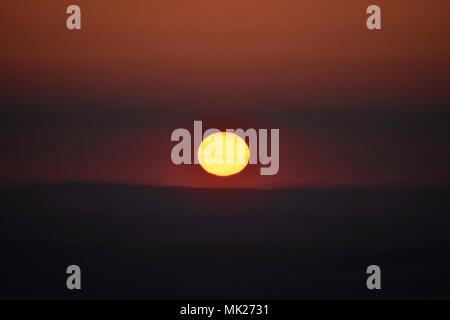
(353, 106)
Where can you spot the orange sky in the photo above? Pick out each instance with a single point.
(94, 104)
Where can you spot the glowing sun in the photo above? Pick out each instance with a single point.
(223, 154)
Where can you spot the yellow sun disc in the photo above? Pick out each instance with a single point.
(223, 154)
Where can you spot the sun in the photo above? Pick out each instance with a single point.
(223, 154)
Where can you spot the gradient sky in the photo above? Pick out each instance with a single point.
(353, 106)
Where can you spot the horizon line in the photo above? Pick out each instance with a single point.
(35, 183)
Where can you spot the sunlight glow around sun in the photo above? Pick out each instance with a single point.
(223, 154)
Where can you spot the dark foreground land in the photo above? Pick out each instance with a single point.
(175, 243)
